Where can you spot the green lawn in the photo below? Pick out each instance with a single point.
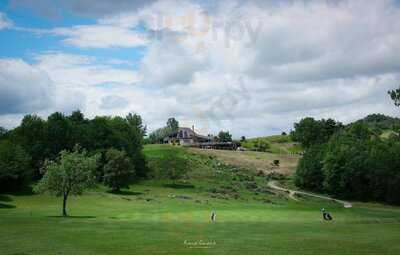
(155, 217)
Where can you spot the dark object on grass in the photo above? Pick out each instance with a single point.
(326, 215)
(213, 216)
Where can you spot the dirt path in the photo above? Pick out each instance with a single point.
(292, 194)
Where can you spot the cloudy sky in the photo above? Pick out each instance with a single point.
(252, 67)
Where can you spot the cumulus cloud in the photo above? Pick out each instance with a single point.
(253, 67)
(23, 88)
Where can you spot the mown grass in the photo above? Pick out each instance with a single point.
(155, 217)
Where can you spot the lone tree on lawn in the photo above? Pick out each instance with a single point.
(70, 175)
(118, 171)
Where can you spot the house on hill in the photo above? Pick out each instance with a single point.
(186, 137)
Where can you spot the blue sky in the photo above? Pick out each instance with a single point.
(252, 67)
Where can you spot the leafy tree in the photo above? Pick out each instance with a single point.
(3, 133)
(173, 125)
(71, 174)
(15, 169)
(261, 145)
(395, 96)
(59, 134)
(118, 171)
(310, 131)
(224, 136)
(31, 136)
(309, 174)
(243, 139)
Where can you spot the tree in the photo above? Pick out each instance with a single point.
(395, 96)
(118, 171)
(3, 133)
(15, 170)
(310, 131)
(59, 134)
(261, 145)
(173, 125)
(243, 139)
(309, 174)
(71, 174)
(31, 136)
(224, 136)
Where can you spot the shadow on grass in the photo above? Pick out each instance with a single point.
(6, 206)
(126, 193)
(5, 198)
(71, 217)
(179, 186)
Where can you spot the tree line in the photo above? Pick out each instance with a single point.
(351, 161)
(38, 145)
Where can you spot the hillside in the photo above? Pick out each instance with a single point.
(162, 216)
(380, 122)
(278, 144)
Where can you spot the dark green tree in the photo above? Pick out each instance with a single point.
(119, 170)
(224, 136)
(15, 169)
(173, 125)
(395, 96)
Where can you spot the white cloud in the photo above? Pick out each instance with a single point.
(253, 67)
(23, 87)
(4, 21)
(100, 36)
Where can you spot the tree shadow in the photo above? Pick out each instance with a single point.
(71, 217)
(179, 186)
(6, 206)
(24, 191)
(126, 193)
(5, 198)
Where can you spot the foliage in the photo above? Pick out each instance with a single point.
(119, 171)
(309, 174)
(378, 123)
(70, 175)
(353, 164)
(15, 170)
(173, 125)
(310, 131)
(243, 139)
(45, 139)
(224, 136)
(395, 96)
(261, 145)
(158, 135)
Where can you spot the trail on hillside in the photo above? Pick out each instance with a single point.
(292, 194)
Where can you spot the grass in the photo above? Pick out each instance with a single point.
(157, 217)
(279, 144)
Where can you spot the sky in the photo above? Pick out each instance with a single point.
(251, 67)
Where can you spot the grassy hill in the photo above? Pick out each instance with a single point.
(278, 144)
(165, 217)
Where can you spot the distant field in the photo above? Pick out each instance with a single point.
(279, 144)
(260, 161)
(159, 217)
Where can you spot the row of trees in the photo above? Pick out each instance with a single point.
(25, 149)
(352, 162)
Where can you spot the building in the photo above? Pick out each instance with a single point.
(187, 137)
